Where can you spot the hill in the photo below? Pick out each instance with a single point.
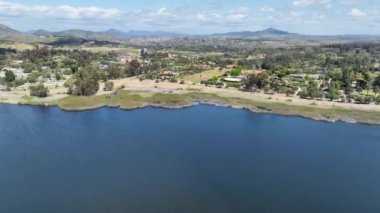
(270, 32)
(109, 35)
(6, 31)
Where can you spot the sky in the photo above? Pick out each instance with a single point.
(313, 17)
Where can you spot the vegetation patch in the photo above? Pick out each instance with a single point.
(132, 100)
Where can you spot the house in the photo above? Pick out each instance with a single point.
(299, 76)
(233, 79)
(230, 66)
(103, 66)
(359, 84)
(303, 76)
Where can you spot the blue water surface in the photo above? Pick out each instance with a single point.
(202, 159)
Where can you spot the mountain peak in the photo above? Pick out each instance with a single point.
(275, 31)
(6, 31)
(270, 32)
(115, 32)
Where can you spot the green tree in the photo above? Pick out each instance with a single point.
(86, 82)
(114, 72)
(313, 90)
(134, 68)
(28, 67)
(376, 85)
(58, 76)
(333, 91)
(236, 72)
(258, 81)
(9, 76)
(39, 91)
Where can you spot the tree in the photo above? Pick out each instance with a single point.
(290, 91)
(134, 68)
(58, 76)
(333, 92)
(114, 72)
(236, 72)
(9, 76)
(376, 85)
(368, 81)
(108, 86)
(86, 82)
(313, 90)
(258, 81)
(28, 67)
(347, 79)
(39, 91)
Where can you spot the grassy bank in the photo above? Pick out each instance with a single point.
(132, 100)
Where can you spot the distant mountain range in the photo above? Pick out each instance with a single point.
(114, 35)
(270, 32)
(109, 34)
(6, 31)
(9, 34)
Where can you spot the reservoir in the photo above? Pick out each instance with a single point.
(202, 159)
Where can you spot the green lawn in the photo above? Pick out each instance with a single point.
(204, 76)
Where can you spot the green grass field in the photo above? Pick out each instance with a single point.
(17, 46)
(203, 76)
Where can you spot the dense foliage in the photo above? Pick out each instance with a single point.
(39, 91)
(86, 82)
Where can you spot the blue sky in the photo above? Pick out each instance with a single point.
(195, 16)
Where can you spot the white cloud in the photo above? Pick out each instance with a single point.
(239, 14)
(357, 13)
(298, 18)
(64, 11)
(267, 8)
(294, 14)
(163, 12)
(351, 2)
(306, 3)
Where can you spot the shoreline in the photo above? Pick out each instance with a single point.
(128, 100)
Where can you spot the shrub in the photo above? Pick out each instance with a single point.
(9, 76)
(39, 91)
(360, 99)
(233, 84)
(108, 86)
(377, 100)
(58, 77)
(236, 72)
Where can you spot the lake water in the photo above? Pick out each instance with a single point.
(201, 159)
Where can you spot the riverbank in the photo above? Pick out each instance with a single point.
(139, 99)
(138, 94)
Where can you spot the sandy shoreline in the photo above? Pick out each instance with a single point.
(134, 84)
(319, 110)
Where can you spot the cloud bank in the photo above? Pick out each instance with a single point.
(304, 16)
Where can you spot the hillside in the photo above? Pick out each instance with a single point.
(6, 31)
(270, 32)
